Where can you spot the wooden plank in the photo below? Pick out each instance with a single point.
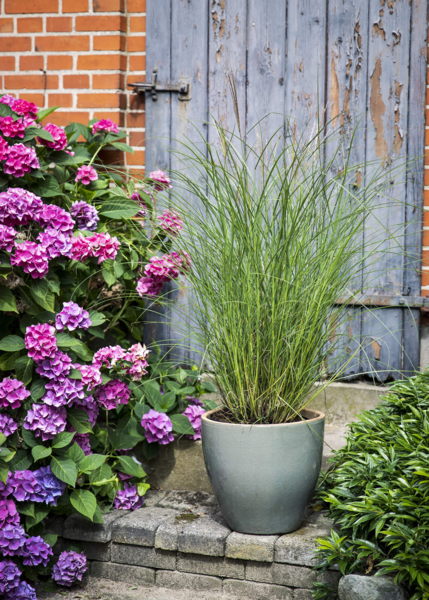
(381, 354)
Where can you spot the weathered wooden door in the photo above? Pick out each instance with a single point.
(357, 57)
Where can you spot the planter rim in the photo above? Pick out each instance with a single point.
(315, 415)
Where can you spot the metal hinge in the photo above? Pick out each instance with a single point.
(182, 87)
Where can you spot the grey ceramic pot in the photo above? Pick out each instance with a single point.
(263, 476)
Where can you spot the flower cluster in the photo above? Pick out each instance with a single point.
(7, 425)
(70, 568)
(99, 245)
(72, 317)
(128, 498)
(158, 427)
(55, 243)
(104, 126)
(137, 356)
(86, 174)
(54, 217)
(20, 160)
(19, 207)
(32, 257)
(60, 138)
(26, 109)
(170, 222)
(11, 128)
(161, 180)
(194, 413)
(85, 215)
(12, 393)
(45, 420)
(161, 269)
(112, 393)
(40, 341)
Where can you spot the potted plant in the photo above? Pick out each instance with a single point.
(276, 240)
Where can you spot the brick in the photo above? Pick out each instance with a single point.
(15, 44)
(136, 101)
(30, 6)
(103, 62)
(7, 63)
(138, 63)
(30, 82)
(137, 173)
(426, 177)
(64, 100)
(108, 82)
(256, 591)
(251, 547)
(136, 119)
(427, 137)
(175, 580)
(167, 534)
(139, 527)
(136, 43)
(31, 63)
(38, 99)
(425, 218)
(76, 81)
(138, 158)
(60, 63)
(101, 23)
(425, 278)
(143, 556)
(64, 118)
(109, 42)
(289, 575)
(210, 565)
(58, 24)
(425, 238)
(203, 536)
(118, 118)
(137, 24)
(78, 528)
(297, 548)
(112, 157)
(6, 25)
(97, 551)
(109, 5)
(74, 6)
(136, 575)
(137, 138)
(62, 43)
(425, 258)
(100, 101)
(30, 25)
(136, 6)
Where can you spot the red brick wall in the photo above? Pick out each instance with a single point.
(78, 54)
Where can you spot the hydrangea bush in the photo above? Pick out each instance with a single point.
(81, 397)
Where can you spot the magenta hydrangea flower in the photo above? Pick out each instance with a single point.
(158, 427)
(69, 569)
(46, 421)
(36, 552)
(24, 591)
(4, 147)
(137, 198)
(112, 393)
(170, 222)
(194, 413)
(21, 107)
(86, 216)
(81, 248)
(55, 217)
(161, 179)
(12, 539)
(8, 513)
(51, 488)
(25, 486)
(6, 489)
(55, 242)
(63, 392)
(105, 125)
(82, 440)
(137, 355)
(182, 262)
(128, 498)
(11, 128)
(90, 406)
(160, 266)
(60, 138)
(104, 246)
(7, 425)
(91, 376)
(72, 317)
(18, 206)
(12, 393)
(56, 367)
(86, 174)
(20, 160)
(40, 341)
(149, 286)
(108, 356)
(7, 238)
(10, 575)
(32, 257)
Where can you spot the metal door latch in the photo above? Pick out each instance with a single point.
(182, 88)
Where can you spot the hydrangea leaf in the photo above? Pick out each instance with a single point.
(84, 502)
(37, 389)
(7, 361)
(64, 340)
(7, 300)
(41, 293)
(78, 419)
(123, 208)
(96, 318)
(62, 439)
(12, 343)
(44, 112)
(75, 453)
(29, 437)
(91, 462)
(40, 512)
(182, 425)
(123, 147)
(65, 469)
(129, 466)
(21, 461)
(26, 508)
(4, 471)
(24, 369)
(40, 452)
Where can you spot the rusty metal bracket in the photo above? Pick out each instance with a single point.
(182, 88)
(385, 300)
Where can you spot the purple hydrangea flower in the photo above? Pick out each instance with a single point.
(70, 568)
(26, 487)
(6, 489)
(18, 206)
(12, 393)
(87, 174)
(32, 257)
(89, 405)
(56, 367)
(104, 125)
(86, 216)
(91, 376)
(60, 138)
(51, 487)
(7, 238)
(194, 412)
(46, 421)
(108, 356)
(8, 513)
(161, 179)
(72, 317)
(24, 591)
(82, 440)
(63, 392)
(137, 355)
(112, 393)
(158, 427)
(7, 425)
(55, 242)
(195, 401)
(12, 540)
(54, 217)
(128, 498)
(40, 341)
(149, 286)
(10, 576)
(20, 160)
(170, 222)
(11, 128)
(36, 552)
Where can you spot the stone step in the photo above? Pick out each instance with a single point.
(180, 541)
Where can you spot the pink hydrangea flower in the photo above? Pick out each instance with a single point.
(112, 393)
(81, 248)
(91, 376)
(170, 222)
(105, 125)
(12, 393)
(181, 261)
(4, 147)
(104, 246)
(108, 356)
(55, 243)
(40, 341)
(158, 266)
(161, 178)
(86, 174)
(11, 128)
(7, 238)
(21, 107)
(194, 413)
(158, 427)
(137, 355)
(60, 138)
(54, 217)
(32, 257)
(20, 160)
(149, 286)
(18, 206)
(63, 392)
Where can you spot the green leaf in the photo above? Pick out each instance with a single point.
(207, 385)
(21, 461)
(122, 146)
(142, 488)
(96, 318)
(4, 472)
(45, 135)
(130, 466)
(48, 188)
(64, 340)
(101, 475)
(182, 425)
(98, 517)
(12, 343)
(3, 438)
(40, 512)
(7, 361)
(50, 538)
(6, 111)
(37, 389)
(7, 300)
(108, 277)
(26, 508)
(44, 113)
(123, 208)
(78, 129)
(40, 291)
(62, 439)
(78, 419)
(24, 369)
(75, 453)
(91, 462)
(65, 469)
(29, 437)
(40, 452)
(84, 502)
(167, 402)
(75, 374)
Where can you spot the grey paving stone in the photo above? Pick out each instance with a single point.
(167, 534)
(139, 527)
(210, 565)
(79, 528)
(302, 595)
(130, 575)
(297, 548)
(256, 591)
(55, 525)
(61, 545)
(184, 501)
(203, 536)
(97, 551)
(176, 580)
(359, 587)
(251, 547)
(143, 556)
(153, 497)
(290, 575)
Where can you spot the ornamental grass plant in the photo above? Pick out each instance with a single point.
(276, 236)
